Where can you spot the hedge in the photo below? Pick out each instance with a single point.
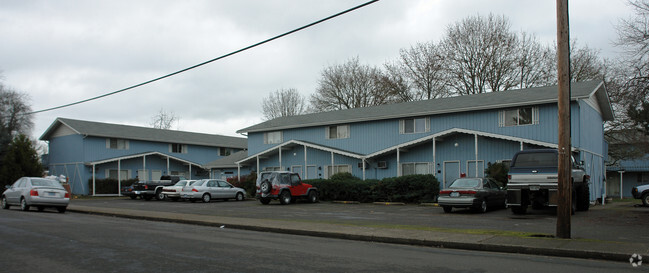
(248, 183)
(407, 189)
(109, 186)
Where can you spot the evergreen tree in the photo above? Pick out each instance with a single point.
(20, 160)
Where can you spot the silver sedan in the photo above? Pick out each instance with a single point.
(208, 189)
(37, 192)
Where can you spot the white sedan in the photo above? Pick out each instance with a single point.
(173, 192)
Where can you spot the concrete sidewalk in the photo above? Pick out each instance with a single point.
(576, 248)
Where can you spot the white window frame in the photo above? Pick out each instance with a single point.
(183, 148)
(336, 169)
(127, 171)
(416, 129)
(224, 151)
(271, 169)
(502, 117)
(275, 137)
(415, 164)
(342, 131)
(120, 144)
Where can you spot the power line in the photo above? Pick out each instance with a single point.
(209, 61)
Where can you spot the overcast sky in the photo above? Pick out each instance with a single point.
(62, 51)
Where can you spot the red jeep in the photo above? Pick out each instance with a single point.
(285, 186)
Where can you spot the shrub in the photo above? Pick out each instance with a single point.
(109, 186)
(248, 183)
(498, 171)
(410, 189)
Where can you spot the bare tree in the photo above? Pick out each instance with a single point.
(283, 103)
(14, 117)
(164, 120)
(349, 85)
(535, 62)
(423, 66)
(480, 55)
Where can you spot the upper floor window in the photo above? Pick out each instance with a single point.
(336, 132)
(178, 148)
(273, 137)
(224, 151)
(414, 125)
(117, 143)
(518, 116)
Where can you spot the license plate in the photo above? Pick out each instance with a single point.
(51, 193)
(455, 194)
(535, 188)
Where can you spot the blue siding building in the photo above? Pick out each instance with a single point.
(85, 151)
(449, 137)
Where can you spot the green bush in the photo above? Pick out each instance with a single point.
(248, 183)
(109, 186)
(409, 189)
(498, 171)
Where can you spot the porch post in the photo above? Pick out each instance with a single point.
(476, 155)
(280, 159)
(434, 158)
(93, 181)
(190, 170)
(398, 163)
(258, 166)
(621, 183)
(168, 166)
(144, 168)
(306, 173)
(333, 170)
(239, 172)
(363, 163)
(119, 174)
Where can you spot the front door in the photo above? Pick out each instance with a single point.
(451, 172)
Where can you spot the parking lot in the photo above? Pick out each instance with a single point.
(619, 221)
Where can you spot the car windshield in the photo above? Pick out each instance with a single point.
(45, 183)
(465, 183)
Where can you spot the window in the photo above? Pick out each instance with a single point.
(415, 168)
(519, 116)
(337, 169)
(117, 143)
(643, 178)
(178, 148)
(336, 132)
(112, 174)
(271, 169)
(414, 125)
(224, 151)
(273, 137)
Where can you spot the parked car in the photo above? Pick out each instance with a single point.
(641, 192)
(38, 192)
(173, 192)
(477, 193)
(208, 189)
(285, 186)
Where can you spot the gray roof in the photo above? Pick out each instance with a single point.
(100, 129)
(228, 161)
(484, 101)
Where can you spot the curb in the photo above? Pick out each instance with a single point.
(501, 248)
(389, 203)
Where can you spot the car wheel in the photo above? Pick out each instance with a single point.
(264, 201)
(265, 187)
(40, 208)
(645, 199)
(313, 196)
(206, 198)
(239, 196)
(23, 205)
(285, 197)
(5, 205)
(61, 209)
(159, 195)
(483, 207)
(519, 209)
(447, 209)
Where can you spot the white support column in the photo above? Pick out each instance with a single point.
(93, 181)
(258, 170)
(476, 155)
(119, 174)
(398, 163)
(190, 171)
(168, 166)
(144, 167)
(521, 145)
(621, 183)
(306, 168)
(434, 158)
(281, 168)
(332, 165)
(239, 172)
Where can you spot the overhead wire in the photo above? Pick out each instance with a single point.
(206, 62)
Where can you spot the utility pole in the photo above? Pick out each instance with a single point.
(564, 208)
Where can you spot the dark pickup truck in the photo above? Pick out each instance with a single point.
(150, 189)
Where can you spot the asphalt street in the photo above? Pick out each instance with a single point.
(73, 242)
